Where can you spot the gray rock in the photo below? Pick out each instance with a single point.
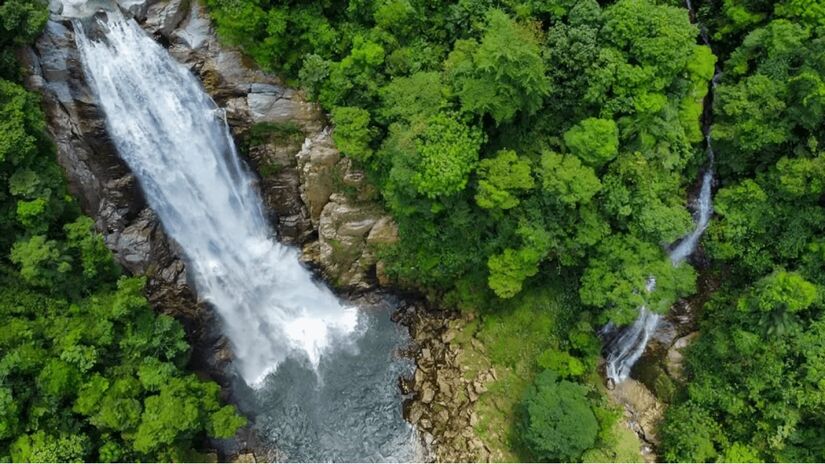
(162, 18)
(136, 8)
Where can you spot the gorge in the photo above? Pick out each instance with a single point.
(317, 375)
(405, 230)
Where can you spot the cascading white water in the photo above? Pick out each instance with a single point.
(176, 141)
(627, 344)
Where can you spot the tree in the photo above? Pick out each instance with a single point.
(501, 179)
(21, 122)
(417, 96)
(565, 178)
(594, 141)
(626, 274)
(352, 132)
(502, 75)
(509, 269)
(446, 152)
(646, 200)
(689, 434)
(558, 423)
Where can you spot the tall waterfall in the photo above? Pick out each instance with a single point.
(176, 141)
(626, 345)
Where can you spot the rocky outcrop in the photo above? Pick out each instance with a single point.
(446, 392)
(343, 208)
(642, 413)
(97, 177)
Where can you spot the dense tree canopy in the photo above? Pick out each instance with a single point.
(559, 424)
(518, 144)
(461, 112)
(755, 386)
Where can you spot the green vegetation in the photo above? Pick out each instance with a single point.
(756, 382)
(535, 155)
(559, 424)
(506, 138)
(542, 333)
(88, 372)
(521, 144)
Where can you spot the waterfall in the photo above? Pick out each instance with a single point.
(177, 143)
(625, 345)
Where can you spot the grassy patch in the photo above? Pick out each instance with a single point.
(513, 337)
(269, 169)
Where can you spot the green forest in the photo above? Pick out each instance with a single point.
(524, 144)
(538, 157)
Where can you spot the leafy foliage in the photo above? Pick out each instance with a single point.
(502, 138)
(559, 424)
(755, 388)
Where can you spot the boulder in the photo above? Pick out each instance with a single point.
(245, 458)
(136, 8)
(643, 410)
(351, 225)
(162, 18)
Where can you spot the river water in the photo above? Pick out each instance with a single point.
(317, 375)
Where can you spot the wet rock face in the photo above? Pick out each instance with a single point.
(97, 177)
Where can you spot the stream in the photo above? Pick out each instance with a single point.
(623, 346)
(317, 375)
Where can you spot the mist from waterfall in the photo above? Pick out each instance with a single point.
(177, 143)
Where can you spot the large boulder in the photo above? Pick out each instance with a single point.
(161, 18)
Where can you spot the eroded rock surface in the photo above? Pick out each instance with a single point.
(343, 208)
(643, 413)
(98, 178)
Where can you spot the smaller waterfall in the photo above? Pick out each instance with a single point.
(704, 210)
(625, 345)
